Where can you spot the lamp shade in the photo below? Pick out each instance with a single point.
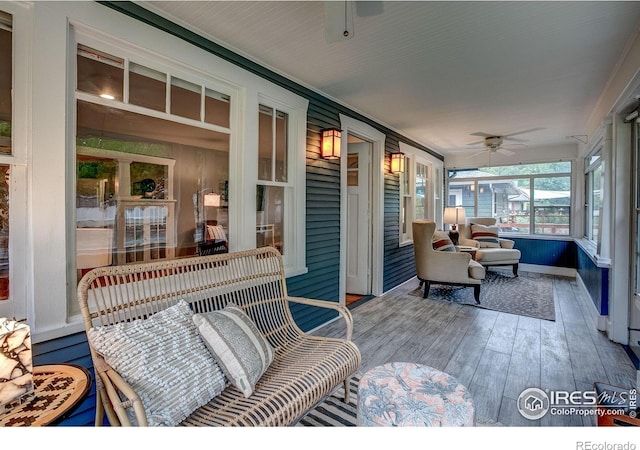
(330, 145)
(454, 215)
(212, 199)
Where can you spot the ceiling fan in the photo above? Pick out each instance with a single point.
(338, 17)
(493, 143)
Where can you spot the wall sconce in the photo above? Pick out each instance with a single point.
(330, 143)
(397, 163)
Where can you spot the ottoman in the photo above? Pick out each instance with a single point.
(407, 394)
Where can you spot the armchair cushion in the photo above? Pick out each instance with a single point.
(487, 236)
(442, 242)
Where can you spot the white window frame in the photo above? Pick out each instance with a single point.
(294, 244)
(17, 304)
(588, 204)
(49, 105)
(433, 208)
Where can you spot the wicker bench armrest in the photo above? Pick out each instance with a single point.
(120, 395)
(344, 312)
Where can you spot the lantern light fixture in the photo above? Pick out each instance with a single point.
(397, 163)
(330, 143)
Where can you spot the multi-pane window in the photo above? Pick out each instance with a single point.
(423, 196)
(271, 191)
(524, 199)
(593, 196)
(419, 192)
(152, 162)
(6, 85)
(406, 199)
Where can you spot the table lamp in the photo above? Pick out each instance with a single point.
(454, 215)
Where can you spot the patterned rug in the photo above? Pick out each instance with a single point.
(333, 412)
(530, 294)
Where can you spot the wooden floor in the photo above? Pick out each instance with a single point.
(496, 355)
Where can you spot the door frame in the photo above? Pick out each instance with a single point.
(377, 139)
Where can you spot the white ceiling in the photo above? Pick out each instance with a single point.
(438, 72)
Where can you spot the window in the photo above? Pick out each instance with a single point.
(593, 196)
(524, 199)
(6, 86)
(406, 199)
(420, 194)
(6, 82)
(147, 154)
(271, 192)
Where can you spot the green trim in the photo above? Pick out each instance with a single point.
(144, 15)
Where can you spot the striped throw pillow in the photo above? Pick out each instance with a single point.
(241, 350)
(441, 242)
(216, 232)
(486, 236)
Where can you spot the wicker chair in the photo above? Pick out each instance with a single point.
(306, 368)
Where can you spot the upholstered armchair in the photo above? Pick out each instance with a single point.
(482, 232)
(443, 267)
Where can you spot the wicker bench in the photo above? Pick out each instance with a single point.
(306, 367)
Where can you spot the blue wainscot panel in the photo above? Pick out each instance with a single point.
(552, 252)
(595, 279)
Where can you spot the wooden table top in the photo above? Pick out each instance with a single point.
(58, 388)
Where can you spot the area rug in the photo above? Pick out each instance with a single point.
(333, 412)
(529, 294)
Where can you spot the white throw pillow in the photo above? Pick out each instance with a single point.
(165, 361)
(241, 350)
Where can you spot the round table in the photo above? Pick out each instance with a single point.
(408, 394)
(58, 389)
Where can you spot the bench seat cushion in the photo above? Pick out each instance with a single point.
(301, 374)
(497, 255)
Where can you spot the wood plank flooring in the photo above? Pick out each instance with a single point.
(496, 355)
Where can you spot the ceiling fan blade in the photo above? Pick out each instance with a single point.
(504, 151)
(530, 130)
(479, 133)
(478, 153)
(513, 139)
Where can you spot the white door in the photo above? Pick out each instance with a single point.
(358, 219)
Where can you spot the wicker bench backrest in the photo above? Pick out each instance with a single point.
(252, 279)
